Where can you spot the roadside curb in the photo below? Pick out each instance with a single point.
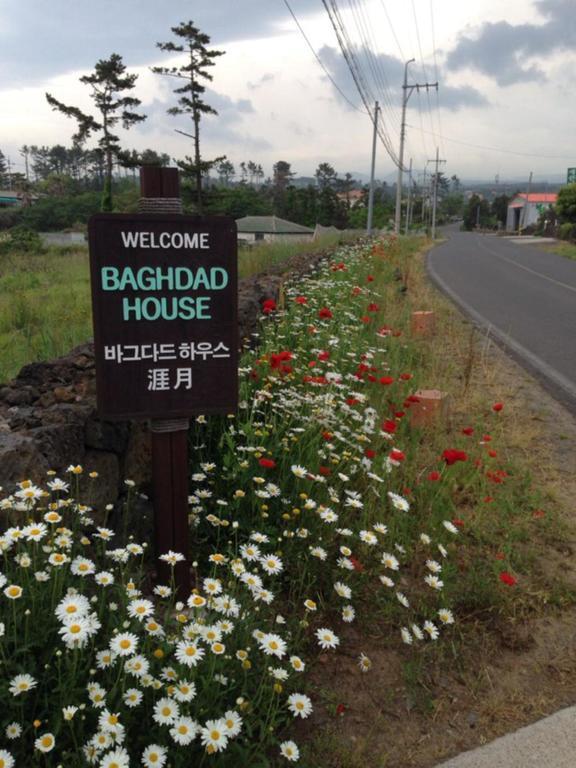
(548, 743)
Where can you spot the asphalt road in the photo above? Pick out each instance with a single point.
(524, 296)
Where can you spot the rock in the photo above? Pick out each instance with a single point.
(60, 444)
(64, 394)
(19, 396)
(107, 435)
(20, 459)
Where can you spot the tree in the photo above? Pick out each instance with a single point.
(226, 172)
(326, 176)
(476, 213)
(108, 81)
(499, 208)
(566, 204)
(3, 168)
(190, 102)
(282, 175)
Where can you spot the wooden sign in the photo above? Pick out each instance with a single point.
(164, 302)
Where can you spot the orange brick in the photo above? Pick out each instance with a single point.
(431, 407)
(423, 323)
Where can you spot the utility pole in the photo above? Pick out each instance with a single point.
(409, 205)
(371, 195)
(407, 91)
(524, 216)
(435, 192)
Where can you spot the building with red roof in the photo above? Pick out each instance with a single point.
(525, 209)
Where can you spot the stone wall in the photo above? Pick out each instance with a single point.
(48, 416)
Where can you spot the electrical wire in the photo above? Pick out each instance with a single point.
(497, 149)
(334, 83)
(358, 76)
(438, 114)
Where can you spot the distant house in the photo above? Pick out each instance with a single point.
(253, 229)
(10, 199)
(525, 210)
(353, 197)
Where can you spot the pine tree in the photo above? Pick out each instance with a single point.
(194, 44)
(108, 81)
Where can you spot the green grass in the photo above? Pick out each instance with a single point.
(45, 298)
(568, 250)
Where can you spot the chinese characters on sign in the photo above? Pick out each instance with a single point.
(164, 297)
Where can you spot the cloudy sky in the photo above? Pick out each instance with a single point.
(506, 103)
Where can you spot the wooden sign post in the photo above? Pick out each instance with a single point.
(164, 300)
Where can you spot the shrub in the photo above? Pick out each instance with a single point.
(567, 231)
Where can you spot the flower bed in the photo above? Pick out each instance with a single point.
(317, 506)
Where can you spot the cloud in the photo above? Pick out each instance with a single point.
(36, 43)
(392, 76)
(504, 51)
(268, 77)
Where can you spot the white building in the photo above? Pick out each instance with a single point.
(525, 210)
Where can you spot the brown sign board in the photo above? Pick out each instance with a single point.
(164, 306)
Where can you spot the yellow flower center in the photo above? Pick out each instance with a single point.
(124, 644)
(75, 628)
(46, 741)
(166, 711)
(214, 735)
(190, 651)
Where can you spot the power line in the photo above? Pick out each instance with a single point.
(423, 65)
(355, 70)
(393, 31)
(334, 83)
(497, 149)
(438, 114)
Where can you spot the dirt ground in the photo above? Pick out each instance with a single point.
(514, 672)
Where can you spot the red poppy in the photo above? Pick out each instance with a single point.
(327, 436)
(396, 455)
(458, 522)
(312, 364)
(486, 438)
(385, 331)
(468, 431)
(340, 709)
(507, 578)
(434, 476)
(370, 279)
(315, 380)
(366, 319)
(400, 414)
(493, 454)
(538, 513)
(451, 456)
(324, 471)
(325, 313)
(387, 380)
(488, 499)
(324, 356)
(373, 307)
(389, 426)
(405, 376)
(411, 399)
(267, 463)
(500, 556)
(301, 300)
(269, 305)
(356, 291)
(352, 401)
(277, 359)
(369, 453)
(254, 375)
(497, 407)
(357, 564)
